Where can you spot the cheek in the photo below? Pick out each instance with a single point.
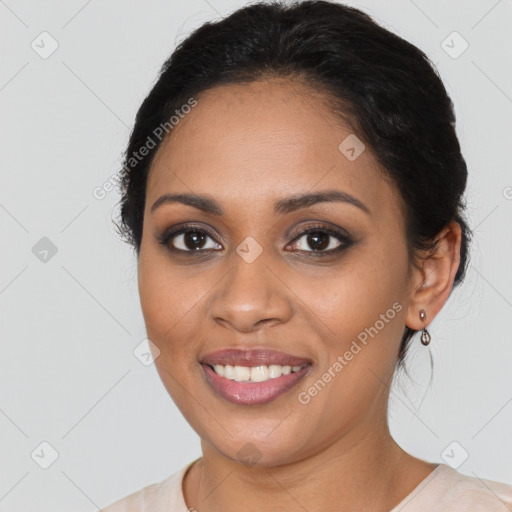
(165, 296)
(352, 297)
(167, 306)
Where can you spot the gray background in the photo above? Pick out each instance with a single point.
(69, 325)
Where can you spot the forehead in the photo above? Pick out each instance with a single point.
(262, 141)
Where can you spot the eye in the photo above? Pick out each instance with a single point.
(321, 240)
(317, 240)
(189, 239)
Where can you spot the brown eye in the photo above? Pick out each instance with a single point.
(192, 240)
(321, 240)
(318, 241)
(189, 240)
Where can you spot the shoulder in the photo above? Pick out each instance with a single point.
(447, 490)
(476, 494)
(165, 495)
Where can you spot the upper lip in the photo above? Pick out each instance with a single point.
(253, 357)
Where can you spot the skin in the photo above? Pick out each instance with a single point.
(248, 146)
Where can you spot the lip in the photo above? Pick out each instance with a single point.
(253, 393)
(254, 357)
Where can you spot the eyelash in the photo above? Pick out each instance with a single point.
(345, 240)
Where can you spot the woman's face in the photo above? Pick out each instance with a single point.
(246, 287)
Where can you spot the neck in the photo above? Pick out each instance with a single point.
(363, 471)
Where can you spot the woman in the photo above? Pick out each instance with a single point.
(293, 188)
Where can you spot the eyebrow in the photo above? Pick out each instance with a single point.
(282, 206)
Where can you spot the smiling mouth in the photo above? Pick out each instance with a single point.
(256, 385)
(253, 377)
(255, 373)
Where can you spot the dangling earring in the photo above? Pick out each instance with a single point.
(425, 336)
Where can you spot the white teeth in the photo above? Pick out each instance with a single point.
(229, 372)
(219, 369)
(259, 373)
(274, 370)
(242, 373)
(254, 373)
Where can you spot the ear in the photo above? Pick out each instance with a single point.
(433, 281)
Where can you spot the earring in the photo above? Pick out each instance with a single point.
(425, 336)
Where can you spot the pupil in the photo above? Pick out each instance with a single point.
(315, 241)
(194, 237)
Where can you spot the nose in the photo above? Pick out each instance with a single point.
(251, 296)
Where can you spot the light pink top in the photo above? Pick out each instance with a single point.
(444, 490)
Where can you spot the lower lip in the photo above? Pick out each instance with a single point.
(253, 393)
